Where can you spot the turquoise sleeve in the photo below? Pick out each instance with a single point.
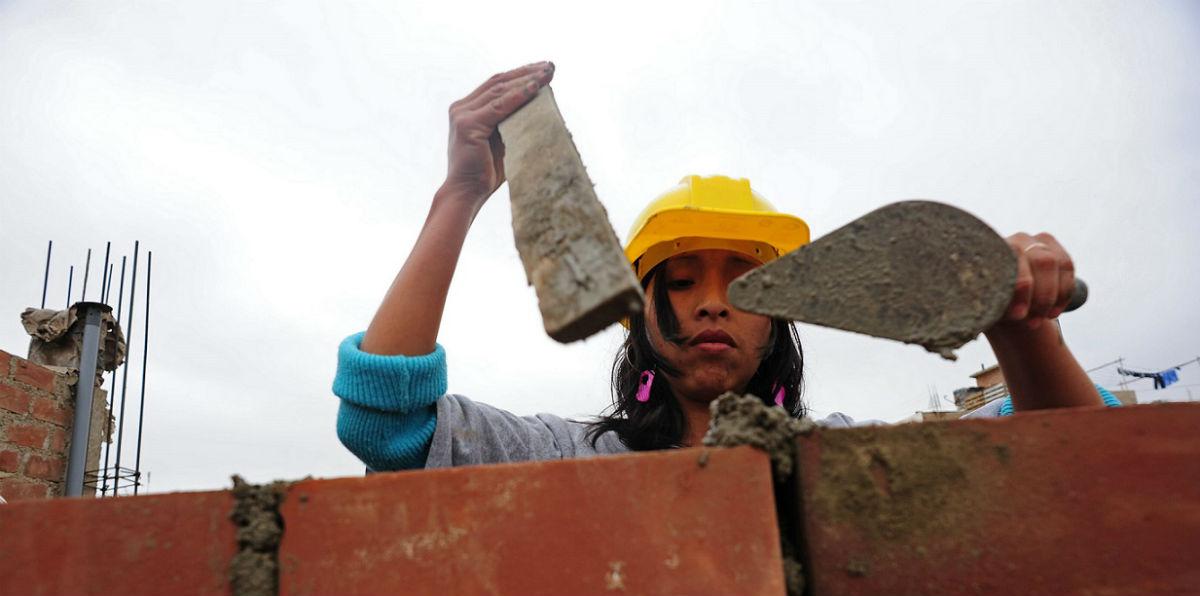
(388, 406)
(1110, 400)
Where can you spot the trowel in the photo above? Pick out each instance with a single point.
(918, 272)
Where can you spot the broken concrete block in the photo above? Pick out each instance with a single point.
(572, 257)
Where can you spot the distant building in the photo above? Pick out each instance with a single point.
(933, 416)
(990, 386)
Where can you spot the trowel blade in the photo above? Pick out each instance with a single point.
(916, 271)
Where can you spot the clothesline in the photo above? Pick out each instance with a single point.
(1122, 359)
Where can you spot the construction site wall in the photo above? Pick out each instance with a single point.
(37, 409)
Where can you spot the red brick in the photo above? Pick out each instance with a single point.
(27, 434)
(1083, 501)
(58, 440)
(10, 461)
(693, 521)
(160, 544)
(52, 411)
(5, 358)
(46, 468)
(35, 375)
(15, 488)
(14, 399)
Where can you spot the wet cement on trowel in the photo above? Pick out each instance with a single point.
(254, 570)
(748, 420)
(919, 272)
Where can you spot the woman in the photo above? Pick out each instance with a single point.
(688, 347)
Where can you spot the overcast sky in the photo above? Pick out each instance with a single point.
(279, 160)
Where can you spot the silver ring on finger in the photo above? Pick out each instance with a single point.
(1033, 246)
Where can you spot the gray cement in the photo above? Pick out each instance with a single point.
(916, 271)
(746, 420)
(571, 255)
(254, 570)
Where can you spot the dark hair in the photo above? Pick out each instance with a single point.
(659, 423)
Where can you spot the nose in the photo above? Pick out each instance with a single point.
(714, 301)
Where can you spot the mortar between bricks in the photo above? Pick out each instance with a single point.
(254, 570)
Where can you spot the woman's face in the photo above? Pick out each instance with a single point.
(721, 346)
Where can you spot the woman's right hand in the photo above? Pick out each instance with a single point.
(410, 316)
(476, 153)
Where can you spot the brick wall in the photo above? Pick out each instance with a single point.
(1065, 502)
(691, 522)
(37, 408)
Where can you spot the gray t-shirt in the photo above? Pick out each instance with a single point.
(469, 433)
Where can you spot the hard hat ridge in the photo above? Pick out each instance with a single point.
(712, 212)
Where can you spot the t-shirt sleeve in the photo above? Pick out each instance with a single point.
(387, 413)
(472, 433)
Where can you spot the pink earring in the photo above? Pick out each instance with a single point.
(780, 392)
(643, 392)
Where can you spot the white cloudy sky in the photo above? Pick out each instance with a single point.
(279, 158)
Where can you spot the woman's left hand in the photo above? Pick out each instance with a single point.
(1045, 280)
(1039, 369)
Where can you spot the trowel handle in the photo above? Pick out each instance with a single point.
(1078, 296)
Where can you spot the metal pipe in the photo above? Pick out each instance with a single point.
(46, 276)
(85, 390)
(113, 394)
(70, 279)
(104, 274)
(137, 465)
(125, 375)
(87, 270)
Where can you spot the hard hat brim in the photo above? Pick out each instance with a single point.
(739, 229)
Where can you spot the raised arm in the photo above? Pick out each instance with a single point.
(408, 320)
(1038, 367)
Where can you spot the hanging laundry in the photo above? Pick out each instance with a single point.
(1161, 379)
(1169, 376)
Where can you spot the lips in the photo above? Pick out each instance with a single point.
(712, 336)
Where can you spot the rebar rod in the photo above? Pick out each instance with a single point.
(104, 273)
(137, 463)
(46, 276)
(125, 375)
(87, 270)
(70, 280)
(113, 394)
(108, 286)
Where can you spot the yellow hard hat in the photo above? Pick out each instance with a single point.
(711, 212)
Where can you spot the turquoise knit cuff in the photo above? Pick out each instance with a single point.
(389, 383)
(387, 441)
(1110, 400)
